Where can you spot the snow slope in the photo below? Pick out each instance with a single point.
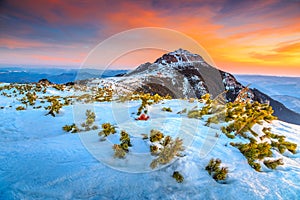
(40, 161)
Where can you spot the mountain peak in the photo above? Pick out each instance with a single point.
(179, 56)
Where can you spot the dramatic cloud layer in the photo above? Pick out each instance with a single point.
(241, 36)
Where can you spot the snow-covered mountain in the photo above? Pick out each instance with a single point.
(183, 74)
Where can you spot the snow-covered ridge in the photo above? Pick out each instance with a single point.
(179, 56)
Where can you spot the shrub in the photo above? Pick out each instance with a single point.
(31, 97)
(54, 107)
(71, 128)
(125, 140)
(182, 111)
(122, 148)
(168, 153)
(215, 171)
(90, 119)
(254, 151)
(166, 109)
(272, 164)
(178, 177)
(153, 149)
(155, 135)
(20, 108)
(119, 151)
(107, 130)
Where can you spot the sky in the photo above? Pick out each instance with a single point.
(242, 37)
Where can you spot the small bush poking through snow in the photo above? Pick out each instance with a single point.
(272, 164)
(125, 140)
(107, 130)
(54, 107)
(168, 153)
(20, 108)
(166, 109)
(119, 151)
(90, 119)
(178, 177)
(218, 173)
(122, 148)
(87, 125)
(71, 128)
(254, 151)
(156, 136)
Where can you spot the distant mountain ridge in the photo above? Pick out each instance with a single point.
(59, 76)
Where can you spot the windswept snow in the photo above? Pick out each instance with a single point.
(40, 161)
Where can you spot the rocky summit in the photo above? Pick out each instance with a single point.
(182, 74)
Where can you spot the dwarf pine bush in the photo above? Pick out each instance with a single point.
(213, 168)
(272, 164)
(20, 108)
(178, 177)
(254, 151)
(107, 129)
(90, 119)
(168, 153)
(122, 148)
(156, 136)
(167, 109)
(71, 128)
(31, 98)
(119, 151)
(153, 149)
(55, 106)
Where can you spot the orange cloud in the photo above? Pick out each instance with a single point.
(241, 37)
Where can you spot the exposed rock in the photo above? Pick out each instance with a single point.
(44, 81)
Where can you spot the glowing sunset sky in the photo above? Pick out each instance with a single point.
(257, 37)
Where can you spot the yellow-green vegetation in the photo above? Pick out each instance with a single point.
(89, 122)
(54, 107)
(168, 153)
(282, 146)
(278, 141)
(243, 116)
(205, 110)
(147, 99)
(218, 173)
(119, 151)
(178, 177)
(153, 149)
(107, 129)
(182, 111)
(59, 87)
(87, 125)
(155, 135)
(254, 151)
(20, 108)
(167, 109)
(71, 128)
(122, 148)
(103, 94)
(272, 164)
(227, 131)
(31, 97)
(125, 140)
